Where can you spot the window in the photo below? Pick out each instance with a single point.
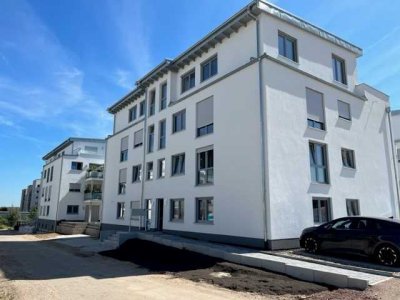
(152, 102)
(321, 210)
(205, 117)
(149, 205)
(163, 96)
(162, 134)
(205, 166)
(48, 210)
(178, 164)
(179, 121)
(124, 149)
(44, 174)
(91, 149)
(132, 113)
(74, 187)
(353, 207)
(150, 146)
(339, 69)
(120, 210)
(318, 163)
(204, 210)
(52, 169)
(177, 209)
(138, 138)
(49, 194)
(45, 194)
(188, 81)
(142, 108)
(348, 158)
(48, 175)
(75, 165)
(287, 46)
(122, 181)
(344, 110)
(209, 68)
(72, 209)
(315, 109)
(137, 173)
(161, 168)
(149, 171)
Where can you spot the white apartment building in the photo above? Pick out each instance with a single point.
(395, 124)
(257, 131)
(71, 183)
(30, 196)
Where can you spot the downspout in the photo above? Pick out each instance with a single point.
(262, 122)
(393, 159)
(59, 192)
(143, 161)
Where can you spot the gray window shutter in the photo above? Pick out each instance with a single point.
(139, 137)
(205, 112)
(122, 176)
(344, 110)
(124, 143)
(315, 107)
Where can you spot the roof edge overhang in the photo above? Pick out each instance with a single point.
(68, 142)
(238, 20)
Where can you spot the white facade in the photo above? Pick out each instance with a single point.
(259, 116)
(64, 178)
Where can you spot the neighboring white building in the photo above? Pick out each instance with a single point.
(30, 196)
(395, 122)
(257, 131)
(69, 188)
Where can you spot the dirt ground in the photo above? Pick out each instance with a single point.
(33, 267)
(200, 268)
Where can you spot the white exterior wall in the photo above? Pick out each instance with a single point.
(237, 189)
(291, 190)
(316, 60)
(60, 196)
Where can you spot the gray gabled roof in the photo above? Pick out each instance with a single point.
(216, 36)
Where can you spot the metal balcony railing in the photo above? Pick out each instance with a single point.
(93, 196)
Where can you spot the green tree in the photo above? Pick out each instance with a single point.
(13, 217)
(33, 214)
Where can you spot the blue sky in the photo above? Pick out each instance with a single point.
(62, 63)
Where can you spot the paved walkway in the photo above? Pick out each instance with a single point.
(307, 271)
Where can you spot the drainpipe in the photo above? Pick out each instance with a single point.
(262, 122)
(143, 161)
(392, 146)
(59, 192)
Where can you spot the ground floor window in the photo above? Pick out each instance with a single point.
(72, 209)
(120, 210)
(353, 207)
(321, 210)
(205, 210)
(177, 209)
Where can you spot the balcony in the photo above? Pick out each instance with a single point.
(93, 196)
(94, 175)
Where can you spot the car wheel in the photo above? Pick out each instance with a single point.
(311, 245)
(387, 255)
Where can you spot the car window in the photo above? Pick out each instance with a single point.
(342, 224)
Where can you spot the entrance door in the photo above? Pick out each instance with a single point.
(160, 214)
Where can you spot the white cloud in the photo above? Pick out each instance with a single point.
(6, 122)
(124, 79)
(53, 94)
(133, 34)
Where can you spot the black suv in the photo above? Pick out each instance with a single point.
(373, 237)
